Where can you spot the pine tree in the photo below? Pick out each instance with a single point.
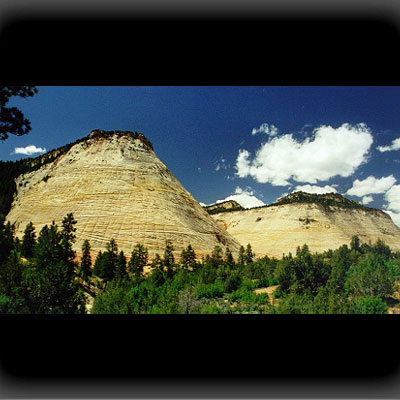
(188, 258)
(51, 284)
(6, 240)
(138, 261)
(105, 264)
(28, 241)
(242, 256)
(355, 243)
(249, 255)
(120, 269)
(86, 261)
(216, 256)
(12, 120)
(68, 235)
(169, 259)
(229, 258)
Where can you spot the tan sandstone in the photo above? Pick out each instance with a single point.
(281, 228)
(116, 187)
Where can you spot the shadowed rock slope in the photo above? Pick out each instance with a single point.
(116, 187)
(321, 221)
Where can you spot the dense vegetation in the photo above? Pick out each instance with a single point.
(10, 170)
(40, 274)
(12, 120)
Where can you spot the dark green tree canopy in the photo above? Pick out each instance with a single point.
(28, 241)
(12, 120)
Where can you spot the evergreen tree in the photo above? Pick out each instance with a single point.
(138, 261)
(48, 248)
(242, 256)
(216, 256)
(249, 255)
(120, 269)
(6, 240)
(86, 261)
(51, 283)
(12, 120)
(105, 264)
(169, 259)
(188, 258)
(229, 258)
(68, 235)
(28, 241)
(355, 243)
(168, 254)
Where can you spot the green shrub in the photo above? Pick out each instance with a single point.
(209, 291)
(367, 305)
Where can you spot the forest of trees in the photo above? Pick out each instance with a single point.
(39, 274)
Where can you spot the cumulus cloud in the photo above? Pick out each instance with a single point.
(315, 189)
(371, 185)
(245, 198)
(268, 129)
(367, 199)
(202, 204)
(392, 196)
(395, 217)
(394, 146)
(330, 152)
(28, 150)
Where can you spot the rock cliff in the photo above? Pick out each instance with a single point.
(116, 187)
(321, 221)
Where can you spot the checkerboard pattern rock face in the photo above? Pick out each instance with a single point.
(281, 228)
(116, 187)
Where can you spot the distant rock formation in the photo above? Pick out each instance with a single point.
(322, 222)
(229, 205)
(116, 187)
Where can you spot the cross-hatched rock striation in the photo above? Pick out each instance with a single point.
(116, 187)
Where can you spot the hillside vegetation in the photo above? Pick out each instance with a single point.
(39, 274)
(326, 200)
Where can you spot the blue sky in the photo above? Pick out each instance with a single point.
(252, 143)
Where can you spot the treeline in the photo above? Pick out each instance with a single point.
(325, 200)
(40, 274)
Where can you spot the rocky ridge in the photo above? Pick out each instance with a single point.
(116, 187)
(229, 205)
(321, 221)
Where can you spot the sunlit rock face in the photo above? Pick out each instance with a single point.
(116, 187)
(281, 228)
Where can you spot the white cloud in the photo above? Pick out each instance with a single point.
(245, 198)
(330, 152)
(202, 204)
(270, 130)
(315, 189)
(371, 185)
(395, 217)
(392, 196)
(28, 150)
(367, 199)
(394, 146)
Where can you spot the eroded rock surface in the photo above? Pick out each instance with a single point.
(281, 228)
(116, 187)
